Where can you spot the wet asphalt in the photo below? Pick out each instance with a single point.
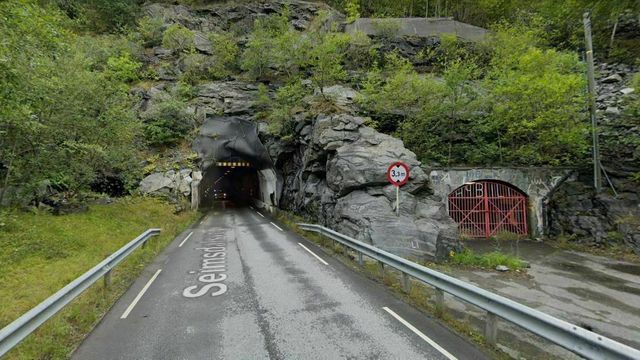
(236, 286)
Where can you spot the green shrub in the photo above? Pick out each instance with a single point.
(196, 68)
(123, 68)
(150, 30)
(352, 9)
(225, 52)
(168, 123)
(178, 38)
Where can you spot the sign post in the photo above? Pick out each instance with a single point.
(398, 175)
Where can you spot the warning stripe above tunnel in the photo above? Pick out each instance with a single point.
(487, 208)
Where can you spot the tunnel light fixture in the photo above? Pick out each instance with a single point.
(233, 164)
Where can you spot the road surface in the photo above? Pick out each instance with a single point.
(236, 285)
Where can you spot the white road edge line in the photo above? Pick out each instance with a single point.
(185, 239)
(259, 213)
(279, 228)
(144, 290)
(422, 335)
(312, 253)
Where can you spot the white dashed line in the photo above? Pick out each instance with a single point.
(312, 253)
(185, 239)
(422, 335)
(144, 290)
(278, 227)
(259, 213)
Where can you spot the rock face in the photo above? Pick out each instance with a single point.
(334, 173)
(575, 210)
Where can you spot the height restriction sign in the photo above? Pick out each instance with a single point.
(398, 173)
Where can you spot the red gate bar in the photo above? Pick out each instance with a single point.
(486, 208)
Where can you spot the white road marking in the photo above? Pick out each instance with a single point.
(144, 290)
(203, 220)
(279, 228)
(312, 253)
(185, 239)
(422, 335)
(259, 213)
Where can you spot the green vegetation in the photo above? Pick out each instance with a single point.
(167, 123)
(225, 53)
(65, 111)
(486, 261)
(178, 38)
(524, 106)
(41, 253)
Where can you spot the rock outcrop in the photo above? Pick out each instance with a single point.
(334, 172)
(604, 219)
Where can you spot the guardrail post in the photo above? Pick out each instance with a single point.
(381, 269)
(360, 259)
(491, 329)
(107, 280)
(439, 298)
(406, 283)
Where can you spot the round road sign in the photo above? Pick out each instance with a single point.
(398, 173)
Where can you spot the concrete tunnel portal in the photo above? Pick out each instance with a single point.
(236, 167)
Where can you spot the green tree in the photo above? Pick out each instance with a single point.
(63, 118)
(178, 38)
(225, 52)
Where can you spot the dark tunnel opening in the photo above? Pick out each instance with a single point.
(229, 186)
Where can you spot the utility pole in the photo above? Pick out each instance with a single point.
(426, 9)
(597, 180)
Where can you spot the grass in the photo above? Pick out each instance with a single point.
(420, 295)
(489, 260)
(40, 253)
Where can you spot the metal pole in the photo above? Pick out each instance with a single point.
(426, 11)
(597, 180)
(397, 200)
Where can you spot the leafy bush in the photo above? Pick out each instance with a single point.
(65, 118)
(196, 68)
(178, 38)
(168, 123)
(225, 52)
(123, 68)
(287, 100)
(525, 107)
(150, 30)
(352, 9)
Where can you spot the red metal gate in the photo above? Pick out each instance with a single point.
(486, 208)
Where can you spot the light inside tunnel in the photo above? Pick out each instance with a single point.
(235, 182)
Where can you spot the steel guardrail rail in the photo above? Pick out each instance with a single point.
(569, 336)
(20, 328)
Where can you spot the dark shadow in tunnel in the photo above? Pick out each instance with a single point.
(228, 186)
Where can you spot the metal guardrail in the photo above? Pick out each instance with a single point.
(571, 337)
(15, 332)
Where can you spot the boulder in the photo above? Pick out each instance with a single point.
(612, 79)
(154, 182)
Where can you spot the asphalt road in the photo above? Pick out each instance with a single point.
(236, 286)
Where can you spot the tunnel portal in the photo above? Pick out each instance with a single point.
(236, 167)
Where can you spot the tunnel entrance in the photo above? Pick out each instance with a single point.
(227, 184)
(236, 166)
(486, 208)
